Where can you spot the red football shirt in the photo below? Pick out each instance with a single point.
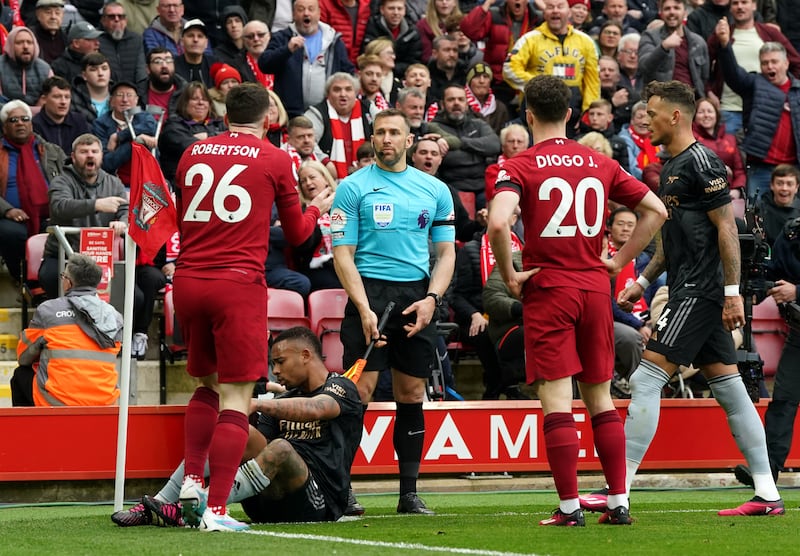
(564, 189)
(227, 186)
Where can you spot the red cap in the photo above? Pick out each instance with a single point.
(586, 3)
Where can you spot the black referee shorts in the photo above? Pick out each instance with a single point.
(415, 356)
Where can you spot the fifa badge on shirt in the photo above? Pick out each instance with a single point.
(382, 214)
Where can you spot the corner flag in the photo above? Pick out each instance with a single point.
(152, 217)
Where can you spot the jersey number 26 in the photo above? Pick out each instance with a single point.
(225, 188)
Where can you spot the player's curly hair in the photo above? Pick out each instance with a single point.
(548, 98)
(673, 92)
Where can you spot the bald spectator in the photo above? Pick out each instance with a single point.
(47, 29)
(121, 46)
(22, 72)
(83, 39)
(302, 56)
(255, 37)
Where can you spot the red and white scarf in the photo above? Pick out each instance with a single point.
(484, 109)
(266, 79)
(339, 155)
(487, 257)
(297, 160)
(324, 251)
(379, 101)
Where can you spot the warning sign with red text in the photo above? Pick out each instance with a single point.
(98, 243)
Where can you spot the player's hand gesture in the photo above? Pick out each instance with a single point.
(516, 281)
(323, 201)
(629, 296)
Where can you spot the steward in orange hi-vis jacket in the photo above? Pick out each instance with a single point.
(72, 343)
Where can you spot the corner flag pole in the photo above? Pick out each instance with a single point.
(125, 372)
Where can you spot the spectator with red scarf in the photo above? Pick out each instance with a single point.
(342, 123)
(636, 135)
(27, 164)
(256, 38)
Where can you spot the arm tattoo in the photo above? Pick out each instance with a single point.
(728, 238)
(301, 410)
(658, 263)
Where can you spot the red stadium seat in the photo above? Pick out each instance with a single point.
(326, 310)
(31, 289)
(468, 200)
(285, 309)
(769, 334)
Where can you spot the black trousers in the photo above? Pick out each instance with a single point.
(22, 386)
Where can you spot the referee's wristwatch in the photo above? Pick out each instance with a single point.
(436, 297)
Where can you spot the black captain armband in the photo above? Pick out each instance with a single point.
(443, 223)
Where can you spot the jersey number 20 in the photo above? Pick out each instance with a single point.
(225, 188)
(578, 202)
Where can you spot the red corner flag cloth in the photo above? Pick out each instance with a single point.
(152, 218)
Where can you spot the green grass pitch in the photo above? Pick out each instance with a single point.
(680, 522)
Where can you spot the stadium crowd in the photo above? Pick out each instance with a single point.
(157, 73)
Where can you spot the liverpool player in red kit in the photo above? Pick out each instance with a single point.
(563, 190)
(228, 185)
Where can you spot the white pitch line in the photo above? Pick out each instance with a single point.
(382, 544)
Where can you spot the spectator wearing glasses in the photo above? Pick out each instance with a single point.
(27, 164)
(628, 59)
(165, 30)
(121, 46)
(22, 72)
(256, 37)
(163, 85)
(47, 29)
(113, 131)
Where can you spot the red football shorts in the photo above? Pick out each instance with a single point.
(224, 324)
(568, 332)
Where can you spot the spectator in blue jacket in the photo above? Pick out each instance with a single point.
(303, 56)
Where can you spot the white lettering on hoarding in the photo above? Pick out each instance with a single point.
(448, 442)
(527, 431)
(371, 440)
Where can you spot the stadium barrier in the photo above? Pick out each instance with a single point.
(70, 443)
